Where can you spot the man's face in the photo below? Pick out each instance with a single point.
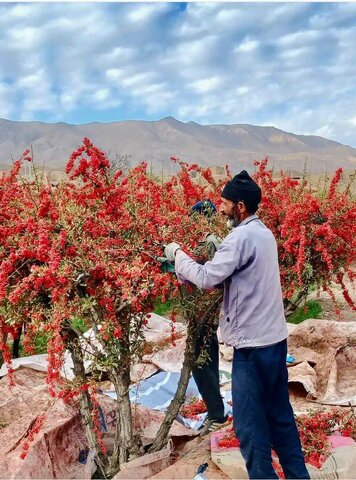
(235, 212)
(227, 208)
(230, 210)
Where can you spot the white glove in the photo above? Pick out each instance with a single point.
(216, 241)
(170, 251)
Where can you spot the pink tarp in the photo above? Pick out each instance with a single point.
(54, 452)
(327, 348)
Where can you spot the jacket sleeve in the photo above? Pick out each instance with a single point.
(226, 260)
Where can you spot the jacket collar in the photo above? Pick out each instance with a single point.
(248, 220)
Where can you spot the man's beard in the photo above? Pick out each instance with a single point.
(230, 222)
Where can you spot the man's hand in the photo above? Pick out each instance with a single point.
(170, 251)
(216, 241)
(166, 265)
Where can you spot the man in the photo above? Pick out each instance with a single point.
(252, 321)
(206, 375)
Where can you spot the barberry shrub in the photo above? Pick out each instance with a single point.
(315, 232)
(86, 250)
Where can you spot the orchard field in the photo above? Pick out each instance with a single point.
(84, 254)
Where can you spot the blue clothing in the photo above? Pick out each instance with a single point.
(207, 376)
(204, 207)
(246, 263)
(263, 416)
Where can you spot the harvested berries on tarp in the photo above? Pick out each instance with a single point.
(193, 408)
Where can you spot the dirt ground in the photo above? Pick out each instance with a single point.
(347, 314)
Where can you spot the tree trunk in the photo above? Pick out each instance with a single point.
(194, 328)
(86, 406)
(290, 306)
(126, 445)
(179, 397)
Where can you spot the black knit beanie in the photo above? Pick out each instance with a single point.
(242, 187)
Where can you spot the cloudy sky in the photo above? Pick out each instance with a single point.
(291, 65)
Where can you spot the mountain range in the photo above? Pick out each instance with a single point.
(156, 141)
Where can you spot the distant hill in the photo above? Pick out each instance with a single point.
(156, 141)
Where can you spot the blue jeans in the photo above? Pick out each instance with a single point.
(263, 415)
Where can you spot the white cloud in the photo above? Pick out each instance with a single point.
(21, 11)
(200, 10)
(24, 38)
(325, 131)
(227, 16)
(194, 51)
(153, 88)
(202, 111)
(188, 30)
(301, 38)
(206, 84)
(247, 46)
(242, 90)
(137, 80)
(32, 81)
(115, 74)
(101, 95)
(119, 54)
(6, 101)
(143, 13)
(68, 101)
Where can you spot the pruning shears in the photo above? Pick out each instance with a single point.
(166, 265)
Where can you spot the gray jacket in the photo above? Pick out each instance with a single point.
(246, 263)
